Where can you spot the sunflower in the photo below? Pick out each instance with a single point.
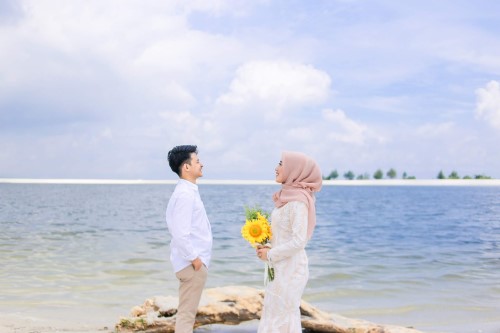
(257, 230)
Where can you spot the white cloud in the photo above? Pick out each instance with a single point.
(107, 133)
(273, 87)
(124, 81)
(186, 54)
(186, 127)
(141, 44)
(387, 104)
(219, 7)
(174, 91)
(488, 104)
(300, 134)
(343, 129)
(433, 130)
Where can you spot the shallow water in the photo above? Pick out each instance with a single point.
(80, 256)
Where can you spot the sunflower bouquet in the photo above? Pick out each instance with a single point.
(257, 231)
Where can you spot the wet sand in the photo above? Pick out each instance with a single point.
(16, 323)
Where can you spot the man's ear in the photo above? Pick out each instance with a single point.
(183, 169)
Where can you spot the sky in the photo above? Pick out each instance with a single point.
(104, 89)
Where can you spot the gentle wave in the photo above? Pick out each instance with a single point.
(424, 256)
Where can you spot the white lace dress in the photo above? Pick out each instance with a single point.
(281, 312)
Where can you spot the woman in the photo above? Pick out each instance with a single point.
(292, 222)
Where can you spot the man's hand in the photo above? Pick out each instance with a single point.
(197, 263)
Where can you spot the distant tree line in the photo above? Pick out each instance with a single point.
(392, 174)
(454, 175)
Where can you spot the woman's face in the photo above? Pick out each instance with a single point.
(279, 173)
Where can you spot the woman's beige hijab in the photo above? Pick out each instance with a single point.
(302, 178)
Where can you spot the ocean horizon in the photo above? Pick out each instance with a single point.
(202, 181)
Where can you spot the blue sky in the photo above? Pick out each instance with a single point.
(103, 89)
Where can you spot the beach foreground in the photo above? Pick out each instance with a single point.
(10, 324)
(223, 309)
(232, 305)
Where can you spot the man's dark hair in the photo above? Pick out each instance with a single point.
(180, 155)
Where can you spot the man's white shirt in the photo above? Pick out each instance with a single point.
(189, 227)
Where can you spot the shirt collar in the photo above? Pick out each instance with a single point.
(189, 184)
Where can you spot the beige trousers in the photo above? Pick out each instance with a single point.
(191, 284)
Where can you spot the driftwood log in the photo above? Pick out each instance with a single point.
(233, 305)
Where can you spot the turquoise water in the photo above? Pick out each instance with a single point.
(83, 255)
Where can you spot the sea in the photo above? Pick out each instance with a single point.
(77, 257)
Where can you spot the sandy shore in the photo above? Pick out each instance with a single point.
(17, 323)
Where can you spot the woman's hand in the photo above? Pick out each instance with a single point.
(262, 252)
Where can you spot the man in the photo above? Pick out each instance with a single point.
(191, 234)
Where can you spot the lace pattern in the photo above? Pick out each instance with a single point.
(281, 312)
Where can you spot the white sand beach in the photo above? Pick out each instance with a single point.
(367, 182)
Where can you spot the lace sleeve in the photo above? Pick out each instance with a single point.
(298, 224)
